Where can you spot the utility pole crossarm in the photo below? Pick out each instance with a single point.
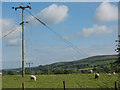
(20, 7)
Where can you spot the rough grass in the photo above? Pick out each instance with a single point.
(0, 82)
(56, 81)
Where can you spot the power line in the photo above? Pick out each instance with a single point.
(9, 33)
(66, 41)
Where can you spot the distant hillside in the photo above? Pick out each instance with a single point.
(90, 61)
(103, 63)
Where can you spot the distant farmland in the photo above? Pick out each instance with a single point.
(75, 73)
(102, 64)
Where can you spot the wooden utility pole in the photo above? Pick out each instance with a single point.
(23, 49)
(29, 67)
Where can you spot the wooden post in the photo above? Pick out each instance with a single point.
(48, 70)
(64, 84)
(23, 86)
(116, 85)
(29, 67)
(23, 48)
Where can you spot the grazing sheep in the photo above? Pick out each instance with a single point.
(32, 77)
(97, 75)
(108, 74)
(91, 71)
(113, 72)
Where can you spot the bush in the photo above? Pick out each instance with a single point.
(84, 71)
(11, 72)
(58, 71)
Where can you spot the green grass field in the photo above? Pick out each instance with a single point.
(56, 81)
(0, 82)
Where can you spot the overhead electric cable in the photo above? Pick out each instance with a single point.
(9, 33)
(66, 41)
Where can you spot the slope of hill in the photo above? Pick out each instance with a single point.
(87, 62)
(97, 63)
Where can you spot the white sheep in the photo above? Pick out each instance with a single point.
(108, 74)
(113, 72)
(91, 71)
(32, 77)
(97, 75)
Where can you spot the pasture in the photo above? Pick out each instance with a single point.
(56, 81)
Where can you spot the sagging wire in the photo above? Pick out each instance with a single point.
(10, 32)
(30, 39)
(66, 41)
